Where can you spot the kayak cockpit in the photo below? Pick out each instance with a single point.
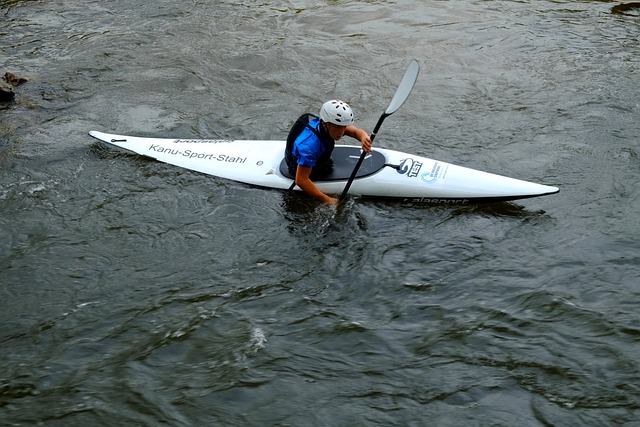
(344, 160)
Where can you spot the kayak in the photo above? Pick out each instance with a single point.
(384, 173)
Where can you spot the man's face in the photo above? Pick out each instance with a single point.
(335, 132)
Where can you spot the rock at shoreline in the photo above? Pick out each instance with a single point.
(6, 89)
(6, 92)
(14, 80)
(627, 8)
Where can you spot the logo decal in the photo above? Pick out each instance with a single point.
(409, 167)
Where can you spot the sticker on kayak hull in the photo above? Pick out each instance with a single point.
(409, 167)
(202, 141)
(438, 171)
(437, 201)
(195, 155)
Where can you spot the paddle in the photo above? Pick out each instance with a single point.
(402, 93)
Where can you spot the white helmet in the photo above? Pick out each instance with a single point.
(336, 112)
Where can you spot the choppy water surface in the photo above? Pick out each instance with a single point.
(136, 293)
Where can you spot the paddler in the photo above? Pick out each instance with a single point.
(311, 141)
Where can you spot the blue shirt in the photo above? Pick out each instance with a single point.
(308, 148)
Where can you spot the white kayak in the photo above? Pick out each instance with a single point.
(383, 174)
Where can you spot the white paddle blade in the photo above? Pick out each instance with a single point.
(405, 87)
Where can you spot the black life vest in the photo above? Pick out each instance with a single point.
(324, 161)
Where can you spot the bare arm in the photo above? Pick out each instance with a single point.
(361, 135)
(303, 181)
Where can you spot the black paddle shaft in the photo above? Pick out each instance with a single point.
(401, 95)
(361, 158)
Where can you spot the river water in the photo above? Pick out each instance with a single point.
(136, 293)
